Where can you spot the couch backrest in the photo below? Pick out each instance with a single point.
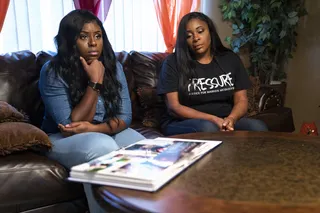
(146, 67)
(146, 105)
(19, 83)
(19, 75)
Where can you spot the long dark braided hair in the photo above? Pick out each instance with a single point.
(68, 65)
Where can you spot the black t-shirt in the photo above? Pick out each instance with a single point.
(211, 91)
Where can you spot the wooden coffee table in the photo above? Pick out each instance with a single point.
(249, 172)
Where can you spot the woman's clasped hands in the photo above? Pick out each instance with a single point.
(75, 128)
(228, 124)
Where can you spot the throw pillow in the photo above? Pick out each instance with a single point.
(18, 136)
(148, 97)
(252, 93)
(152, 117)
(153, 106)
(10, 114)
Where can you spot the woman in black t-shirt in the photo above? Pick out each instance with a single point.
(204, 83)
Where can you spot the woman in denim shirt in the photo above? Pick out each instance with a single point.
(86, 98)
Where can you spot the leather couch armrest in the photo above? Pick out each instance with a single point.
(277, 119)
(269, 98)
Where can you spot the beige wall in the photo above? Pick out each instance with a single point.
(303, 90)
(303, 82)
(211, 9)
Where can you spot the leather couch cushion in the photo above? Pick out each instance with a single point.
(147, 132)
(146, 67)
(30, 181)
(124, 58)
(42, 57)
(18, 83)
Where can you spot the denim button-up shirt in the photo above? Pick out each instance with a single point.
(55, 95)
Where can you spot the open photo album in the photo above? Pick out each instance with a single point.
(145, 165)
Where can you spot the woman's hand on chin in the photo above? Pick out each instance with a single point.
(94, 69)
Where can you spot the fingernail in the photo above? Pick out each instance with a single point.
(67, 125)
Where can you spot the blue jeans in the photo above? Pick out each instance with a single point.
(81, 148)
(200, 125)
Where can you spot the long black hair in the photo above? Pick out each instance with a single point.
(67, 61)
(184, 55)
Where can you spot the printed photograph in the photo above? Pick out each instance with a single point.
(144, 168)
(153, 148)
(174, 152)
(100, 164)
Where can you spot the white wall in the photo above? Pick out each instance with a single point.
(211, 9)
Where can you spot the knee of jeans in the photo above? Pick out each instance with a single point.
(99, 145)
(259, 125)
(207, 126)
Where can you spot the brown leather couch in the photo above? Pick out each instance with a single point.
(32, 183)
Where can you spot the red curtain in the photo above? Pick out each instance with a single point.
(95, 7)
(169, 14)
(4, 4)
